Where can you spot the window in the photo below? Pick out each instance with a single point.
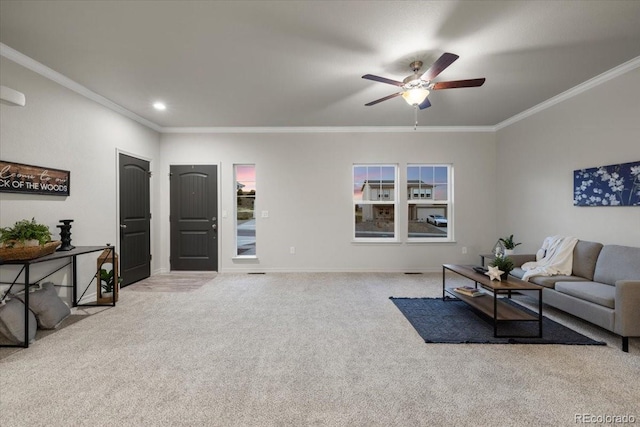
(429, 202)
(245, 179)
(374, 202)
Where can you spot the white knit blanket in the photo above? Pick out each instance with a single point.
(558, 258)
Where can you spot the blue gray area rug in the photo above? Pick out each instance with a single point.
(454, 322)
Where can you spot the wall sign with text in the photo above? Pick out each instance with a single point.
(29, 179)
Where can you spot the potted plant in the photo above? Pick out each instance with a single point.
(509, 244)
(26, 240)
(25, 233)
(505, 264)
(107, 283)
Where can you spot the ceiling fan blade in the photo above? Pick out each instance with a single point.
(458, 83)
(382, 80)
(383, 99)
(425, 104)
(439, 66)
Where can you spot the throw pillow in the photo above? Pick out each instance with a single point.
(48, 307)
(12, 321)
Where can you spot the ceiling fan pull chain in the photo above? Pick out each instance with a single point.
(415, 110)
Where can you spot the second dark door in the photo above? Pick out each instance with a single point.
(135, 220)
(194, 217)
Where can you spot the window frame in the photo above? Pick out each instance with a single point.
(448, 204)
(392, 200)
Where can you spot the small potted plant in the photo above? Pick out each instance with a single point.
(26, 240)
(504, 264)
(509, 244)
(107, 283)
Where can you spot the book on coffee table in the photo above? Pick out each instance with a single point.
(469, 291)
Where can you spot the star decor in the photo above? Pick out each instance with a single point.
(494, 273)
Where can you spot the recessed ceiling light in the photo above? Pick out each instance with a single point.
(159, 106)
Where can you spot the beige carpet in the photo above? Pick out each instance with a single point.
(40, 334)
(302, 350)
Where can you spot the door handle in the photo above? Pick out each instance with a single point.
(123, 226)
(214, 226)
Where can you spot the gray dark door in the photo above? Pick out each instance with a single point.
(135, 220)
(194, 217)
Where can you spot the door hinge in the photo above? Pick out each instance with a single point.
(150, 257)
(150, 215)
(150, 174)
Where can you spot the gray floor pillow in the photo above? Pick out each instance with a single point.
(48, 307)
(12, 321)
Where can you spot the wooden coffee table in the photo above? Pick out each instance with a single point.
(491, 304)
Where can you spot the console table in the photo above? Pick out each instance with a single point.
(71, 257)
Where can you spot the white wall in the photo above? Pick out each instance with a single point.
(536, 158)
(63, 130)
(304, 181)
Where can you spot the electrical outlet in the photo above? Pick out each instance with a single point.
(464, 250)
(292, 250)
(265, 214)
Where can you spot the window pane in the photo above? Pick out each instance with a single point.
(440, 174)
(427, 220)
(245, 209)
(413, 173)
(441, 192)
(374, 221)
(359, 178)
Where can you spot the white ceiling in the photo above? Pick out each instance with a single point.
(299, 63)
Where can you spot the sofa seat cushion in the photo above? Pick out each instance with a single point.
(597, 293)
(547, 281)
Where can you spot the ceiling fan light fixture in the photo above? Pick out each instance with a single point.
(415, 96)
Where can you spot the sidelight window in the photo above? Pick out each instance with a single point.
(245, 218)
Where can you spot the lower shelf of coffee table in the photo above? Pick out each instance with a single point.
(485, 305)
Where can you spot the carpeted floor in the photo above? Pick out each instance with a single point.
(321, 349)
(40, 334)
(454, 322)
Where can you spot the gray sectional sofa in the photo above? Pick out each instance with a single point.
(604, 287)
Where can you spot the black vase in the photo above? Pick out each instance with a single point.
(65, 235)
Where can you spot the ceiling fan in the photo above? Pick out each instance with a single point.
(416, 87)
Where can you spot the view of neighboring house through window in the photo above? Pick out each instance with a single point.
(374, 199)
(429, 202)
(245, 178)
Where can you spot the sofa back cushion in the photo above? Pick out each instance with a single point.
(617, 263)
(585, 255)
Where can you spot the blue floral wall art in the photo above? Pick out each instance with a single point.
(613, 185)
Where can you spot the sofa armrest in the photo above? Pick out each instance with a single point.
(520, 259)
(627, 303)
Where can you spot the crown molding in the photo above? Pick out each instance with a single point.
(574, 91)
(329, 129)
(47, 72)
(62, 80)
